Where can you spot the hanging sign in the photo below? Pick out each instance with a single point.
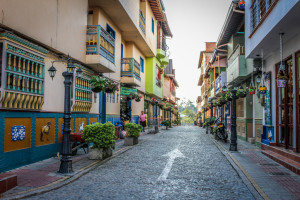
(126, 91)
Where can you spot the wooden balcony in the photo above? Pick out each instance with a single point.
(100, 49)
(130, 72)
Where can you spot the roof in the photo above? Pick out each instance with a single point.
(233, 21)
(158, 9)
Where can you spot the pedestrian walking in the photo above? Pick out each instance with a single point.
(143, 118)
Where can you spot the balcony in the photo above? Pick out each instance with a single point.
(161, 47)
(239, 68)
(130, 72)
(100, 49)
(142, 23)
(222, 79)
(158, 82)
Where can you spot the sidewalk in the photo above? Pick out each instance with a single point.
(270, 179)
(42, 176)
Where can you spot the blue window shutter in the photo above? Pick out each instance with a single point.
(142, 64)
(122, 48)
(152, 25)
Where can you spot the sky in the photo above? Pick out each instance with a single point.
(192, 23)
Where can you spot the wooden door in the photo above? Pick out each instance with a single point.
(297, 102)
(284, 108)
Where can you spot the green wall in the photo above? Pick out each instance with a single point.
(151, 87)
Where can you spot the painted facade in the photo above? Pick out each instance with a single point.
(112, 38)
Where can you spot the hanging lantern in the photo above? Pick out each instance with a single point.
(258, 79)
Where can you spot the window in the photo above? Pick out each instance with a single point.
(111, 31)
(142, 64)
(122, 49)
(152, 25)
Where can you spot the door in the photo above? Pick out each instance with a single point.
(297, 102)
(284, 108)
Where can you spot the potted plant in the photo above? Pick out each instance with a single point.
(138, 98)
(251, 89)
(281, 79)
(133, 132)
(111, 87)
(241, 93)
(131, 96)
(166, 123)
(98, 83)
(262, 89)
(228, 95)
(103, 138)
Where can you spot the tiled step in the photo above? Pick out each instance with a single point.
(286, 162)
(284, 152)
(7, 182)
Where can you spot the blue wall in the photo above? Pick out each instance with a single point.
(13, 159)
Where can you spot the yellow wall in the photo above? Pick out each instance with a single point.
(60, 24)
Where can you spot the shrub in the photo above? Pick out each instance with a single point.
(166, 123)
(101, 135)
(133, 130)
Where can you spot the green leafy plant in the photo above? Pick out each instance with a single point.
(98, 83)
(101, 135)
(166, 123)
(133, 130)
(111, 87)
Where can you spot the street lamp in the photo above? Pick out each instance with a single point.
(66, 161)
(156, 120)
(233, 137)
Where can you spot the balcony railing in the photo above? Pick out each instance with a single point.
(217, 84)
(259, 8)
(130, 68)
(158, 82)
(100, 42)
(239, 50)
(161, 43)
(142, 22)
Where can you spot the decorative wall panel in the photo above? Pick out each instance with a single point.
(45, 131)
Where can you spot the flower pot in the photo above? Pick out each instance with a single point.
(96, 154)
(137, 100)
(262, 92)
(242, 5)
(242, 95)
(107, 153)
(281, 83)
(130, 141)
(109, 90)
(97, 89)
(252, 91)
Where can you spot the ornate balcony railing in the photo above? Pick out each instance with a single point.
(142, 22)
(217, 84)
(100, 42)
(130, 68)
(239, 50)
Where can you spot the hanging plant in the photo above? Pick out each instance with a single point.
(138, 98)
(111, 87)
(98, 83)
(241, 92)
(228, 95)
(242, 5)
(262, 89)
(251, 89)
(281, 79)
(131, 96)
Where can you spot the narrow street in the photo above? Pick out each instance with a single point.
(180, 163)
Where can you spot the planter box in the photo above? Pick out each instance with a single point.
(100, 154)
(96, 154)
(130, 141)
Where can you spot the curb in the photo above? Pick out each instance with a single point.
(68, 179)
(254, 188)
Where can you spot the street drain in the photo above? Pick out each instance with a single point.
(279, 174)
(268, 164)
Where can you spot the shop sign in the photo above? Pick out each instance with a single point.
(126, 91)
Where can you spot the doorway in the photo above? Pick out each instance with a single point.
(284, 106)
(297, 102)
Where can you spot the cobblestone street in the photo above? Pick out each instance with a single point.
(195, 169)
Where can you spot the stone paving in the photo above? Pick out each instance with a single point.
(276, 181)
(197, 170)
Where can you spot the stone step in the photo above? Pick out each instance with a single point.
(286, 162)
(7, 182)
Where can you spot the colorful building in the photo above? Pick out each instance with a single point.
(113, 39)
